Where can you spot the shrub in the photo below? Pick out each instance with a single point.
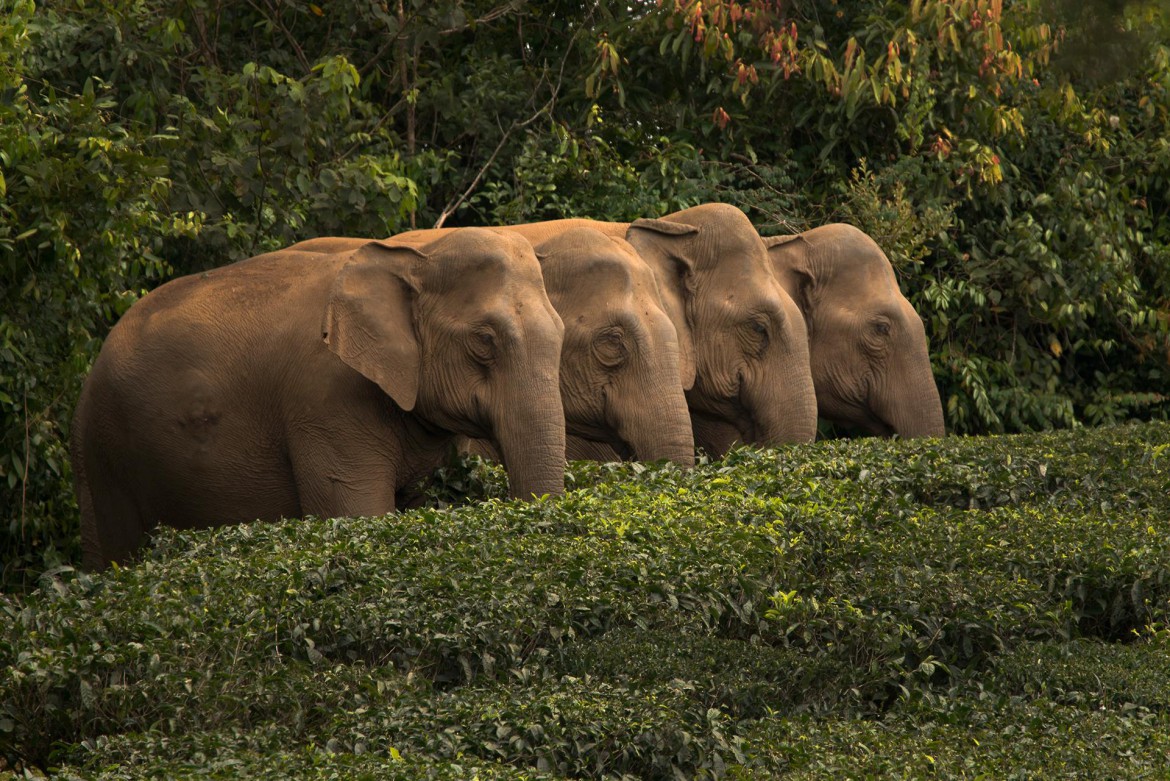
(842, 579)
(997, 737)
(82, 224)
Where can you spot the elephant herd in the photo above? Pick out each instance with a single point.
(329, 377)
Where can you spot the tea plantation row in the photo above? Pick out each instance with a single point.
(993, 607)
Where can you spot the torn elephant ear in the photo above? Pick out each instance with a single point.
(369, 318)
(663, 245)
(789, 256)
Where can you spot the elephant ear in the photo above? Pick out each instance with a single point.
(663, 245)
(369, 319)
(790, 261)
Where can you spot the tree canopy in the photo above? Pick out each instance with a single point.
(1012, 158)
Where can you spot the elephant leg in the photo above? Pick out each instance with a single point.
(113, 529)
(343, 481)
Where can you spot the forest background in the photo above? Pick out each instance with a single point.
(1012, 157)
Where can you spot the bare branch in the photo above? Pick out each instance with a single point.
(547, 108)
(296, 47)
(24, 477)
(377, 126)
(451, 207)
(490, 16)
(404, 20)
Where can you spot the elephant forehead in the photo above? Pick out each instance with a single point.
(472, 245)
(484, 271)
(862, 277)
(573, 240)
(726, 235)
(741, 260)
(742, 286)
(588, 275)
(713, 216)
(624, 296)
(841, 252)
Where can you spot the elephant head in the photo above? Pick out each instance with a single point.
(742, 341)
(460, 332)
(870, 362)
(620, 376)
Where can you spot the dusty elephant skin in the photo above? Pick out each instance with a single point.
(743, 346)
(747, 337)
(621, 382)
(620, 377)
(297, 384)
(870, 362)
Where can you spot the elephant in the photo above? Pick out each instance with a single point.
(621, 381)
(620, 355)
(294, 384)
(870, 362)
(743, 346)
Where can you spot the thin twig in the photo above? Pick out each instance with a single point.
(490, 16)
(28, 424)
(547, 108)
(263, 177)
(24, 479)
(377, 126)
(450, 208)
(403, 19)
(208, 50)
(287, 34)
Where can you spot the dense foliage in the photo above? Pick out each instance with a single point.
(1012, 158)
(991, 605)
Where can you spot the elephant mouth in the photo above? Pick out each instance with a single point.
(879, 428)
(624, 451)
(601, 435)
(852, 417)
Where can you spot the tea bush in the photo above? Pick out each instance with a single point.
(746, 616)
(997, 737)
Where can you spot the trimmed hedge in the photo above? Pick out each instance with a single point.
(651, 622)
(1001, 738)
(1131, 677)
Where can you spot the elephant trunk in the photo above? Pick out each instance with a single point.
(531, 439)
(917, 412)
(662, 432)
(784, 410)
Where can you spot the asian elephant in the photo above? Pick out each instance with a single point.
(743, 346)
(295, 384)
(620, 355)
(870, 362)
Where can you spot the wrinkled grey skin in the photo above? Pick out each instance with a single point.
(743, 346)
(295, 384)
(870, 362)
(620, 356)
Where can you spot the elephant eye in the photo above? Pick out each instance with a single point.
(881, 327)
(610, 346)
(483, 345)
(758, 335)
